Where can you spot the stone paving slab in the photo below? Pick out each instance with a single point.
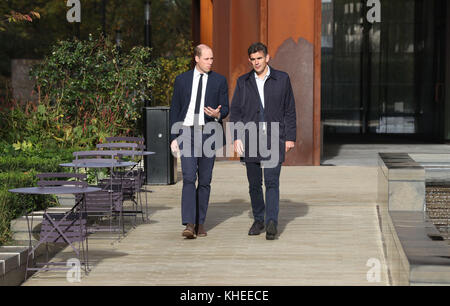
(328, 231)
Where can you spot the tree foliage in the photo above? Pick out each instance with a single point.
(87, 91)
(170, 20)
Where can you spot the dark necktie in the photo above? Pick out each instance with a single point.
(199, 95)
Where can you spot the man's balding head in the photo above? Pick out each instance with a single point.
(200, 48)
(203, 58)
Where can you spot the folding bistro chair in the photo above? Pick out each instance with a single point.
(69, 227)
(107, 203)
(140, 141)
(132, 180)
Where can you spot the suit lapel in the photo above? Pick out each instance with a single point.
(189, 79)
(255, 87)
(208, 86)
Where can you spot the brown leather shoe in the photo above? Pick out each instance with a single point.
(189, 231)
(201, 231)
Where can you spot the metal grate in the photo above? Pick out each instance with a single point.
(438, 208)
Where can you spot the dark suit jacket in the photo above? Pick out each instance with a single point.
(279, 107)
(216, 94)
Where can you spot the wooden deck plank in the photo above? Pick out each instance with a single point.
(328, 229)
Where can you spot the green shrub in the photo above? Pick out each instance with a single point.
(88, 90)
(17, 170)
(14, 205)
(169, 68)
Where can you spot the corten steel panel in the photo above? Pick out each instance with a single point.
(206, 18)
(221, 46)
(296, 58)
(263, 20)
(244, 31)
(291, 44)
(236, 26)
(290, 19)
(291, 29)
(221, 38)
(317, 137)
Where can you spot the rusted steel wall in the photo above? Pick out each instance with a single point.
(206, 18)
(291, 30)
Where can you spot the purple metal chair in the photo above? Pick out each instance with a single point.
(131, 181)
(107, 203)
(67, 228)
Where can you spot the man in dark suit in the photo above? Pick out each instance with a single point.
(200, 99)
(264, 96)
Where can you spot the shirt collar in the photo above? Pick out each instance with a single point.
(197, 73)
(266, 76)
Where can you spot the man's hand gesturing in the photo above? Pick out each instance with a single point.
(215, 113)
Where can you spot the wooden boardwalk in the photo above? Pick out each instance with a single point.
(328, 230)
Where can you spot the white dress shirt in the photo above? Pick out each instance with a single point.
(189, 119)
(260, 84)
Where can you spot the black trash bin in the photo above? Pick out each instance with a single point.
(161, 167)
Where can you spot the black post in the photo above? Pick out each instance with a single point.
(104, 18)
(148, 35)
(118, 39)
(148, 26)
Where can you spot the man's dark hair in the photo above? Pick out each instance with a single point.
(256, 47)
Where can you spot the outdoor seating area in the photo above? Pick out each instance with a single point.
(202, 143)
(101, 201)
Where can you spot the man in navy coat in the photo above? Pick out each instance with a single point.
(200, 99)
(264, 96)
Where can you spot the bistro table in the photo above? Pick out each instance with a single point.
(55, 190)
(98, 163)
(131, 153)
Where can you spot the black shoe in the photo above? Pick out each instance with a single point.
(256, 228)
(271, 230)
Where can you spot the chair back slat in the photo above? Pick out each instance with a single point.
(125, 138)
(106, 161)
(100, 201)
(119, 145)
(80, 176)
(54, 179)
(94, 154)
(73, 227)
(139, 140)
(61, 183)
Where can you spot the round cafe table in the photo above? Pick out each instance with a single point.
(54, 190)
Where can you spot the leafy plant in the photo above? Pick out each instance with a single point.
(23, 146)
(15, 17)
(88, 90)
(169, 68)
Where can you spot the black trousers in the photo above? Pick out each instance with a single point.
(269, 210)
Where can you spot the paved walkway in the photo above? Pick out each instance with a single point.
(328, 228)
(351, 152)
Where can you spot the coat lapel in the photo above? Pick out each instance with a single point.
(189, 79)
(208, 86)
(254, 87)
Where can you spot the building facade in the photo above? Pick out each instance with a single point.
(368, 67)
